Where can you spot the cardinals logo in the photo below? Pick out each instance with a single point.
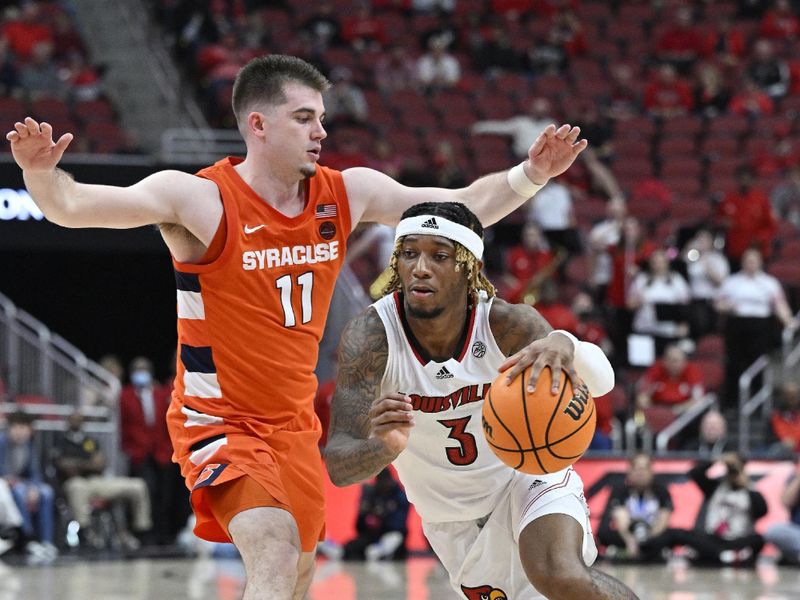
(484, 592)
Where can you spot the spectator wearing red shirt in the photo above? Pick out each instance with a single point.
(681, 43)
(729, 42)
(555, 312)
(785, 421)
(590, 328)
(627, 256)
(145, 441)
(26, 32)
(668, 95)
(363, 28)
(747, 215)
(751, 101)
(780, 23)
(528, 263)
(672, 381)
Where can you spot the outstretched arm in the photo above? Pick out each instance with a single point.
(367, 431)
(165, 197)
(377, 197)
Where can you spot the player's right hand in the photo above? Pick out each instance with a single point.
(33, 147)
(390, 420)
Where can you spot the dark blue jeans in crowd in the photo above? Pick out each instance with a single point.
(43, 512)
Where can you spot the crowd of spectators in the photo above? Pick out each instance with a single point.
(58, 493)
(635, 523)
(46, 72)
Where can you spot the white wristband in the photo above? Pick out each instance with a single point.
(571, 337)
(591, 365)
(520, 183)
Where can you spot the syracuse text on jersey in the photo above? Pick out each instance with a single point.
(308, 254)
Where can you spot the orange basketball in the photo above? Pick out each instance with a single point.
(538, 432)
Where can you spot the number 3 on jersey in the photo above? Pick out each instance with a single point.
(285, 285)
(467, 452)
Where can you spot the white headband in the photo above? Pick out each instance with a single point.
(435, 225)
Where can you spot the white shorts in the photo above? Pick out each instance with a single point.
(482, 556)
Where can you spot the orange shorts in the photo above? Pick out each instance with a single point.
(282, 468)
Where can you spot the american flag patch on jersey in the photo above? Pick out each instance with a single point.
(326, 211)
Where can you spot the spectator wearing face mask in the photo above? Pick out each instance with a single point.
(145, 441)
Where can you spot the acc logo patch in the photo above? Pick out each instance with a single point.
(484, 592)
(327, 230)
(478, 349)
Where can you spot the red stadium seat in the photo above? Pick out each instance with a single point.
(728, 125)
(681, 126)
(677, 147)
(720, 147)
(631, 171)
(722, 184)
(710, 346)
(684, 187)
(632, 148)
(49, 108)
(491, 143)
(790, 249)
(658, 417)
(713, 372)
(496, 107)
(681, 165)
(787, 271)
(690, 211)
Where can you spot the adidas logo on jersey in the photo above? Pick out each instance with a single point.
(430, 223)
(536, 483)
(444, 374)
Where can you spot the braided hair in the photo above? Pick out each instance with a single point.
(457, 213)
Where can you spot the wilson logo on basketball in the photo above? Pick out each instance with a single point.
(484, 592)
(578, 404)
(487, 429)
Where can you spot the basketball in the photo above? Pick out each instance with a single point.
(538, 432)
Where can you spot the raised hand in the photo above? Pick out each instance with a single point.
(33, 148)
(553, 152)
(391, 420)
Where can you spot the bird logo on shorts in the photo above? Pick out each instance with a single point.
(484, 592)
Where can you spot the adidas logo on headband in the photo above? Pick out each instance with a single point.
(430, 224)
(440, 226)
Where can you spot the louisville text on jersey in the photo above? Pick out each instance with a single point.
(284, 256)
(465, 395)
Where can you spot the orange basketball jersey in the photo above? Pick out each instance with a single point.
(250, 322)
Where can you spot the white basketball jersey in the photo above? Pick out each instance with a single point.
(448, 469)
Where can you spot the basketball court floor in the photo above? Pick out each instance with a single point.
(415, 579)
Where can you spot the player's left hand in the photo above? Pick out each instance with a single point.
(554, 351)
(553, 152)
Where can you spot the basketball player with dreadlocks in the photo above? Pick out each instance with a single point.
(414, 369)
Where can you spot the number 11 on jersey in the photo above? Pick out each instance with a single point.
(285, 285)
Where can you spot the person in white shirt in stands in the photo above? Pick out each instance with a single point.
(751, 299)
(555, 217)
(437, 68)
(660, 286)
(603, 236)
(522, 128)
(706, 268)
